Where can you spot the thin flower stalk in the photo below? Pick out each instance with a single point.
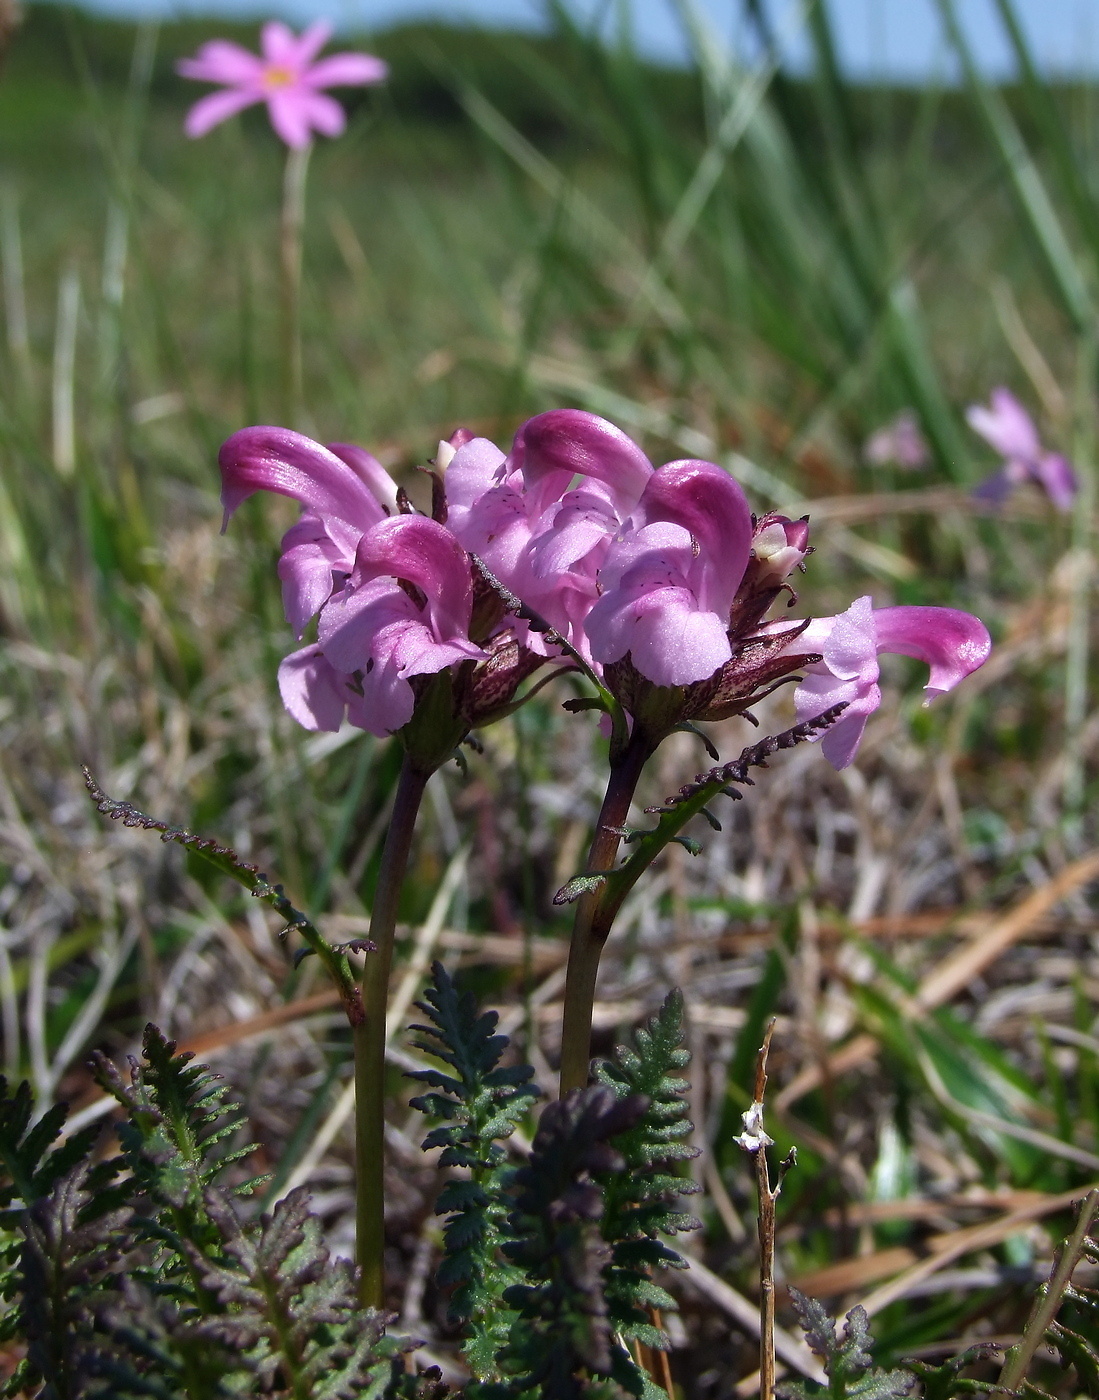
(369, 1039)
(291, 234)
(590, 927)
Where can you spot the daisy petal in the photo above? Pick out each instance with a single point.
(289, 111)
(346, 70)
(217, 107)
(220, 61)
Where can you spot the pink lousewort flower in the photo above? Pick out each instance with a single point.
(899, 443)
(393, 593)
(662, 579)
(952, 643)
(288, 76)
(1010, 430)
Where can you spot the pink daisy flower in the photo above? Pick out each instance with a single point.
(288, 77)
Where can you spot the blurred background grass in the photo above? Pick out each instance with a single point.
(744, 265)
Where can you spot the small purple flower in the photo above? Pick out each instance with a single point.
(288, 77)
(1010, 430)
(899, 443)
(953, 643)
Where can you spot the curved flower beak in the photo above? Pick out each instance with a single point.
(290, 464)
(553, 447)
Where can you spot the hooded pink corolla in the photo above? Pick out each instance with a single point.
(344, 491)
(952, 643)
(1010, 430)
(288, 77)
(541, 531)
(670, 577)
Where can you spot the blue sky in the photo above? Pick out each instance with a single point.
(897, 38)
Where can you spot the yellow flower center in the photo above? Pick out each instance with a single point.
(278, 77)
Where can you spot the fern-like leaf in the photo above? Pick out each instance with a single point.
(562, 1343)
(479, 1104)
(847, 1359)
(174, 1140)
(70, 1261)
(641, 1201)
(289, 1307)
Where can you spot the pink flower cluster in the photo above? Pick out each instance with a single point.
(659, 578)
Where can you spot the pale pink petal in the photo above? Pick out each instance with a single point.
(323, 113)
(311, 690)
(820, 691)
(307, 566)
(289, 111)
(579, 523)
(473, 471)
(1006, 426)
(346, 70)
(1055, 474)
(387, 700)
(669, 640)
(370, 471)
(417, 653)
(214, 108)
(353, 621)
(221, 61)
(851, 646)
(496, 529)
(279, 45)
(280, 460)
(310, 42)
(952, 643)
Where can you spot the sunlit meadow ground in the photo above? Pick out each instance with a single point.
(756, 274)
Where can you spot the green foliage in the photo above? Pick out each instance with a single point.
(290, 1308)
(156, 1285)
(176, 1125)
(562, 1344)
(848, 1363)
(480, 1104)
(640, 1201)
(73, 1252)
(554, 1261)
(945, 1381)
(1075, 1332)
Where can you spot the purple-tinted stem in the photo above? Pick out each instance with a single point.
(589, 931)
(291, 228)
(369, 1040)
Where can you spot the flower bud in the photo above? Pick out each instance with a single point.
(779, 545)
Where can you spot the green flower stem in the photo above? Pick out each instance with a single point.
(291, 229)
(369, 1038)
(590, 930)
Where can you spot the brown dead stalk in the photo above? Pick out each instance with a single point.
(754, 1140)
